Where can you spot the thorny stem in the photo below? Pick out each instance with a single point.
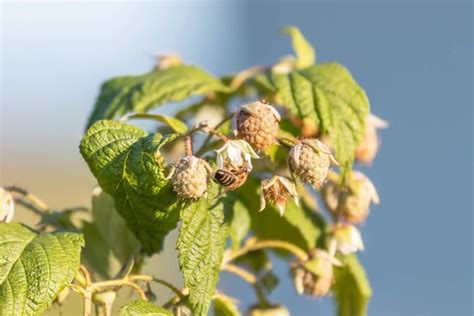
(253, 244)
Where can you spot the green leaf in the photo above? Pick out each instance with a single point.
(327, 94)
(111, 225)
(305, 54)
(140, 93)
(240, 224)
(35, 268)
(352, 290)
(200, 245)
(177, 125)
(126, 162)
(143, 308)
(96, 253)
(225, 306)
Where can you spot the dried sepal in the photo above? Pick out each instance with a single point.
(277, 190)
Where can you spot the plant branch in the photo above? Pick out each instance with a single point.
(254, 244)
(214, 132)
(36, 201)
(188, 145)
(175, 299)
(168, 285)
(244, 274)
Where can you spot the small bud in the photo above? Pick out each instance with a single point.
(235, 154)
(277, 190)
(368, 148)
(191, 177)
(310, 161)
(7, 206)
(257, 123)
(315, 276)
(347, 238)
(351, 202)
(272, 310)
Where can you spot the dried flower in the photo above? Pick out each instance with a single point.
(368, 148)
(315, 276)
(277, 190)
(351, 202)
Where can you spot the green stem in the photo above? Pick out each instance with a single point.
(245, 275)
(253, 245)
(168, 285)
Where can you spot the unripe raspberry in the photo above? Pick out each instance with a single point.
(315, 276)
(257, 123)
(310, 161)
(351, 202)
(191, 177)
(272, 310)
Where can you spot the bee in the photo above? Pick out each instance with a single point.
(231, 178)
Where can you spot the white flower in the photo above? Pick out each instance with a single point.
(347, 239)
(237, 153)
(7, 207)
(278, 190)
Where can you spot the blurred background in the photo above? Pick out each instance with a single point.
(413, 59)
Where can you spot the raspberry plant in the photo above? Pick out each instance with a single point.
(298, 128)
